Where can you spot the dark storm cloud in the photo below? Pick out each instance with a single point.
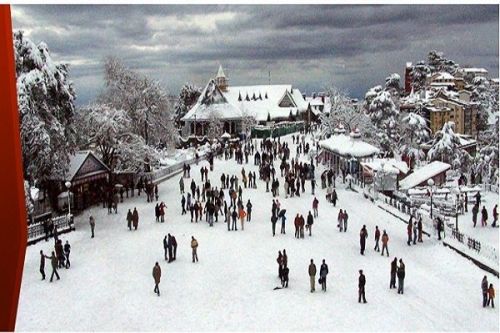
(310, 46)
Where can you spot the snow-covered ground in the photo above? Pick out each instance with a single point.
(110, 287)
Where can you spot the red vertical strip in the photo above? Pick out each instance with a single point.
(13, 233)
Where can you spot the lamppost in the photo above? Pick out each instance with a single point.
(430, 182)
(68, 186)
(456, 192)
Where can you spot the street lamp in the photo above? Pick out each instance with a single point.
(456, 192)
(68, 186)
(430, 182)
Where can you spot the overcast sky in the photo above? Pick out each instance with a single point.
(309, 46)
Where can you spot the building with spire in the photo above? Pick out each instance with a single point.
(235, 105)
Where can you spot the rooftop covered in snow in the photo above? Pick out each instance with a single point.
(421, 175)
(349, 145)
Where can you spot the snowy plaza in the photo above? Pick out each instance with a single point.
(109, 285)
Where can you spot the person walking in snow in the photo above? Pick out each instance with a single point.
(420, 229)
(334, 198)
(394, 269)
(385, 241)
(475, 211)
(315, 206)
(194, 247)
(323, 272)
(242, 214)
(377, 238)
(312, 275)
(409, 231)
(129, 220)
(67, 250)
(42, 264)
(170, 247)
(165, 247)
(283, 222)
(279, 260)
(157, 212)
(340, 220)
(135, 218)
(491, 296)
(249, 210)
(310, 221)
(484, 288)
(495, 216)
(274, 219)
(234, 215)
(363, 235)
(484, 217)
(53, 263)
(361, 286)
(345, 217)
(162, 211)
(415, 230)
(92, 225)
(401, 277)
(156, 277)
(173, 243)
(284, 276)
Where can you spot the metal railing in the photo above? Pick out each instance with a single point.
(483, 249)
(36, 231)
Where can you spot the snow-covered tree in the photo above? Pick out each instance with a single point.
(487, 98)
(143, 99)
(30, 207)
(46, 109)
(215, 126)
(110, 131)
(446, 146)
(418, 75)
(383, 113)
(438, 63)
(247, 121)
(187, 98)
(414, 132)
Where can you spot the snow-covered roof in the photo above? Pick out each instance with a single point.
(257, 101)
(423, 174)
(77, 160)
(474, 70)
(443, 76)
(389, 165)
(442, 84)
(346, 145)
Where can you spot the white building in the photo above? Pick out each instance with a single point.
(234, 105)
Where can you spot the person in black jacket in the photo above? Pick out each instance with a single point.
(363, 234)
(42, 264)
(53, 263)
(174, 247)
(401, 276)
(165, 248)
(169, 247)
(183, 205)
(323, 272)
(67, 250)
(361, 287)
(284, 276)
(274, 219)
(394, 268)
(249, 210)
(310, 221)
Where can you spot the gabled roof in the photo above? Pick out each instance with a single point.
(220, 72)
(87, 158)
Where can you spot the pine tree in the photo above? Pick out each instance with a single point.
(46, 110)
(187, 98)
(414, 132)
(446, 146)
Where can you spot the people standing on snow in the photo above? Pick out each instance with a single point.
(334, 198)
(484, 288)
(361, 286)
(401, 276)
(484, 217)
(162, 211)
(323, 272)
(385, 241)
(340, 220)
(274, 219)
(194, 247)
(181, 185)
(363, 235)
(170, 247)
(67, 250)
(173, 243)
(315, 206)
(409, 230)
(234, 215)
(495, 216)
(312, 275)
(242, 216)
(135, 218)
(345, 217)
(415, 230)
(284, 277)
(420, 229)
(440, 227)
(58, 247)
(377, 238)
(310, 221)
(475, 211)
(157, 212)
(92, 225)
(249, 210)
(283, 221)
(165, 247)
(156, 277)
(491, 296)
(129, 220)
(53, 263)
(42, 264)
(394, 269)
(279, 260)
